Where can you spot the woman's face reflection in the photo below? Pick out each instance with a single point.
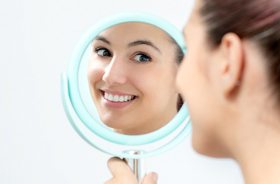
(132, 75)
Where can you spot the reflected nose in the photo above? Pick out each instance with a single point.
(114, 72)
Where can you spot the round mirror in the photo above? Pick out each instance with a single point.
(119, 90)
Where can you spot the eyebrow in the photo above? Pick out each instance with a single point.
(131, 44)
(143, 42)
(103, 39)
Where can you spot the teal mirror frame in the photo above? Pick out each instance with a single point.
(76, 106)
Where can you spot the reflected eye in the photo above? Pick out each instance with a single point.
(142, 58)
(103, 52)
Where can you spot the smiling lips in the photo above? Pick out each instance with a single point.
(117, 98)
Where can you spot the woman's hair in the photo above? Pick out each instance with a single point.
(257, 20)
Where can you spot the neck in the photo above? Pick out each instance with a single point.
(258, 148)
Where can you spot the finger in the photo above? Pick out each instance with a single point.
(150, 178)
(118, 167)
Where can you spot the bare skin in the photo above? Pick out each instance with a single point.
(121, 174)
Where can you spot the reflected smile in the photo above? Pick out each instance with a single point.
(117, 97)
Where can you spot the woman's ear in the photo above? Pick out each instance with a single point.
(232, 65)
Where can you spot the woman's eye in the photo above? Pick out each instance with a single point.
(142, 58)
(103, 52)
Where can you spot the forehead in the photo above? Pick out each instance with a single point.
(194, 19)
(136, 30)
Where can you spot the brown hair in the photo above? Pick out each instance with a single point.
(257, 20)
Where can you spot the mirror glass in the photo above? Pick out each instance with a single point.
(131, 73)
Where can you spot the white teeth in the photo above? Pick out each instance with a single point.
(121, 99)
(117, 98)
(110, 97)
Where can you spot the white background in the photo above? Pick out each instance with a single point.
(37, 144)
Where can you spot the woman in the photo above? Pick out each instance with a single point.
(132, 76)
(233, 54)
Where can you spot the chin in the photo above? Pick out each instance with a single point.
(109, 123)
(208, 147)
(113, 123)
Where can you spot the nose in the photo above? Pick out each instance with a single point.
(114, 72)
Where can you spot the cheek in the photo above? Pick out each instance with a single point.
(142, 81)
(193, 87)
(155, 83)
(186, 76)
(193, 78)
(200, 100)
(165, 77)
(95, 72)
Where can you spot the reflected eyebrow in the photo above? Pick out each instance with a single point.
(143, 42)
(102, 38)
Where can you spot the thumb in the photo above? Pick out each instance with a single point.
(118, 167)
(121, 172)
(150, 178)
